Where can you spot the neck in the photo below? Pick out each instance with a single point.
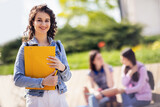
(98, 68)
(131, 65)
(41, 38)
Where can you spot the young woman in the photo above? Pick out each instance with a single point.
(137, 92)
(100, 78)
(135, 79)
(41, 31)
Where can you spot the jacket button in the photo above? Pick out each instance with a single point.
(59, 83)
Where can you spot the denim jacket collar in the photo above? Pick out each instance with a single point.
(35, 41)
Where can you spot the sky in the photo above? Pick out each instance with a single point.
(15, 13)
(14, 16)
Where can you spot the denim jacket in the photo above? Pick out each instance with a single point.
(23, 81)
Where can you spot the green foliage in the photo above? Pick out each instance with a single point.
(150, 39)
(86, 38)
(9, 50)
(99, 26)
(123, 34)
(81, 60)
(6, 69)
(0, 55)
(72, 8)
(78, 60)
(148, 55)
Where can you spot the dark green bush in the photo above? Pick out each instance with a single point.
(9, 50)
(150, 39)
(85, 38)
(115, 36)
(123, 35)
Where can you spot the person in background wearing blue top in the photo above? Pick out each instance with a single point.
(136, 91)
(101, 78)
(41, 32)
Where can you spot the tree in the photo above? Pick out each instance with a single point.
(80, 35)
(9, 50)
(87, 10)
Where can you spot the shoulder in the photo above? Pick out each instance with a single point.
(141, 68)
(90, 73)
(23, 45)
(21, 50)
(59, 44)
(108, 67)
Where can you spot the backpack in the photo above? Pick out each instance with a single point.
(58, 44)
(151, 79)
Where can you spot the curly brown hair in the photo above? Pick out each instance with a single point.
(30, 31)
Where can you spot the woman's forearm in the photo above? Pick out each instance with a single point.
(107, 92)
(110, 92)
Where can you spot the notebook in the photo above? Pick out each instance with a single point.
(35, 59)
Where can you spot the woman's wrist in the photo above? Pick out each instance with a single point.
(43, 82)
(102, 94)
(121, 90)
(130, 72)
(63, 68)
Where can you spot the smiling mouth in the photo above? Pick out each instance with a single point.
(43, 28)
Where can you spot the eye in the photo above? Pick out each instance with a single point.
(39, 20)
(47, 21)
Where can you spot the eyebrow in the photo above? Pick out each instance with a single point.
(41, 18)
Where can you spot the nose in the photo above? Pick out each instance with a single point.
(43, 23)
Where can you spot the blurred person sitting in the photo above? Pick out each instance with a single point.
(101, 78)
(137, 91)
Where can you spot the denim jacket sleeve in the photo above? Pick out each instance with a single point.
(66, 74)
(19, 72)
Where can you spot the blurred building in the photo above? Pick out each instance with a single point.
(146, 12)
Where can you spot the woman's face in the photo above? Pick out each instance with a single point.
(125, 61)
(41, 23)
(98, 60)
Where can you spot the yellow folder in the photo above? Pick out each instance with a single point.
(35, 59)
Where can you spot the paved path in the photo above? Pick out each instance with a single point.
(12, 96)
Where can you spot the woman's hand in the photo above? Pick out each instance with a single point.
(132, 70)
(56, 63)
(98, 95)
(50, 80)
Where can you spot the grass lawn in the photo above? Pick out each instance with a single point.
(81, 60)
(6, 69)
